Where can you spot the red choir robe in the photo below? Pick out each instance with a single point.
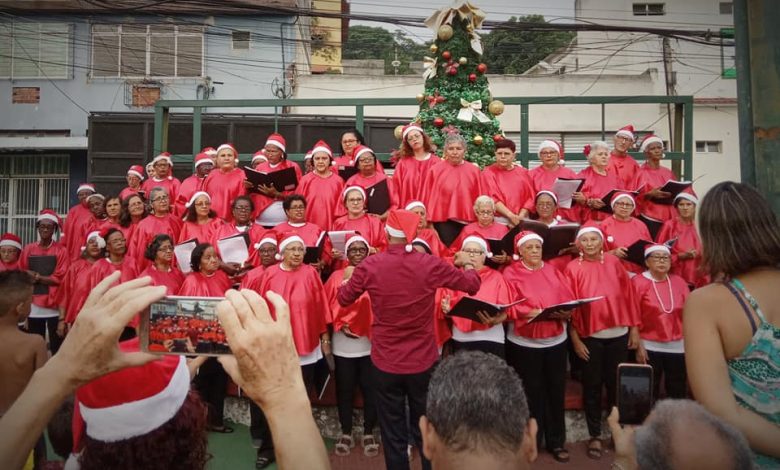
(60, 269)
(623, 234)
(657, 325)
(262, 202)
(224, 188)
(310, 233)
(172, 280)
(626, 169)
(252, 276)
(205, 233)
(171, 184)
(369, 226)
(646, 180)
(191, 185)
(513, 188)
(493, 231)
(541, 288)
(601, 278)
(449, 191)
(104, 268)
(596, 186)
(70, 296)
(438, 247)
(128, 191)
(359, 180)
(347, 160)
(197, 284)
(76, 227)
(10, 266)
(409, 176)
(687, 239)
(146, 230)
(323, 198)
(255, 232)
(357, 316)
(544, 179)
(494, 289)
(305, 294)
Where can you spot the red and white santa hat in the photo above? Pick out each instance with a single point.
(618, 196)
(403, 224)
(309, 155)
(98, 236)
(277, 140)
(322, 146)
(626, 131)
(50, 215)
(86, 187)
(549, 143)
(589, 229)
(414, 204)
(349, 189)
(165, 156)
(9, 239)
(210, 151)
(420, 241)
(353, 239)
(650, 139)
(136, 170)
(687, 197)
(286, 240)
(259, 156)
(549, 193)
(228, 146)
(524, 236)
(650, 249)
(265, 240)
(203, 158)
(361, 150)
(479, 241)
(131, 402)
(96, 195)
(196, 196)
(409, 128)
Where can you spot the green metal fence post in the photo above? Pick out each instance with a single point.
(688, 136)
(603, 122)
(197, 128)
(359, 117)
(524, 156)
(160, 129)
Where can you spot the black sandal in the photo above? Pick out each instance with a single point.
(560, 454)
(265, 457)
(593, 452)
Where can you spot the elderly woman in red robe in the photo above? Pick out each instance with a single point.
(599, 180)
(451, 186)
(546, 208)
(686, 251)
(509, 185)
(160, 221)
(368, 176)
(622, 230)
(322, 187)
(537, 350)
(603, 331)
(74, 288)
(369, 226)
(193, 183)
(352, 354)
(417, 157)
(200, 220)
(661, 297)
(427, 234)
(163, 269)
(133, 211)
(225, 182)
(241, 222)
(550, 153)
(485, 227)
(295, 207)
(268, 203)
(650, 178)
(162, 176)
(487, 335)
(78, 221)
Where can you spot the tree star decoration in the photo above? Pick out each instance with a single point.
(465, 10)
(429, 63)
(471, 110)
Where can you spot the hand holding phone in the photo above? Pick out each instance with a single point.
(634, 392)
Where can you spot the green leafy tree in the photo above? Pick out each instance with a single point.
(512, 50)
(370, 42)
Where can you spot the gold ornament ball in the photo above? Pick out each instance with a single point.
(398, 132)
(478, 139)
(469, 27)
(420, 97)
(434, 48)
(463, 61)
(445, 32)
(496, 107)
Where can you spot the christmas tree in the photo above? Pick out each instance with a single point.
(457, 98)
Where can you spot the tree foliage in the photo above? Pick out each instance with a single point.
(370, 42)
(511, 50)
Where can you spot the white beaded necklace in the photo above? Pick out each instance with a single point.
(530, 268)
(657, 296)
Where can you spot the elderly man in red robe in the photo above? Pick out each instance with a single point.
(509, 185)
(193, 183)
(403, 345)
(135, 176)
(623, 164)
(159, 221)
(163, 177)
(78, 219)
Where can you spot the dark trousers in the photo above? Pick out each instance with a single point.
(39, 327)
(258, 428)
(489, 347)
(391, 392)
(599, 371)
(543, 372)
(352, 371)
(211, 383)
(672, 367)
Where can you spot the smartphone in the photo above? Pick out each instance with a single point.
(634, 392)
(183, 325)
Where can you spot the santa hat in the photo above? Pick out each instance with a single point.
(479, 241)
(98, 236)
(353, 188)
(424, 244)
(523, 237)
(196, 196)
(9, 239)
(49, 214)
(259, 155)
(414, 204)
(353, 239)
(322, 146)
(210, 151)
(309, 155)
(626, 131)
(549, 193)
(403, 224)
(618, 196)
(409, 128)
(687, 197)
(277, 140)
(202, 158)
(97, 195)
(361, 150)
(650, 249)
(136, 170)
(165, 156)
(228, 146)
(131, 402)
(549, 143)
(286, 240)
(650, 139)
(589, 229)
(86, 187)
(265, 240)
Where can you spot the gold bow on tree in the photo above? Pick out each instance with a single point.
(465, 11)
(430, 67)
(471, 110)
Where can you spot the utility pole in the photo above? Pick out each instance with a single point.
(675, 131)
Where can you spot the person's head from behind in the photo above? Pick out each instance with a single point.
(681, 434)
(477, 410)
(17, 289)
(739, 231)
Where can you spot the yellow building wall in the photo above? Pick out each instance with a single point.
(326, 38)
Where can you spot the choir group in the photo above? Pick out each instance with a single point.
(618, 204)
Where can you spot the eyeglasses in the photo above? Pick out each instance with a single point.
(202, 204)
(295, 249)
(160, 164)
(160, 198)
(485, 212)
(545, 204)
(297, 208)
(268, 251)
(474, 252)
(624, 204)
(660, 258)
(242, 209)
(548, 154)
(358, 250)
(165, 248)
(353, 200)
(349, 141)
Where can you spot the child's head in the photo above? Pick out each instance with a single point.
(60, 429)
(17, 288)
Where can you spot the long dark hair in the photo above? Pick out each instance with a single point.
(356, 133)
(124, 217)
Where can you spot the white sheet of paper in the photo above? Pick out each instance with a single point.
(339, 240)
(233, 249)
(183, 254)
(564, 189)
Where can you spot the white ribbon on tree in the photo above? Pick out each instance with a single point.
(471, 110)
(466, 11)
(430, 67)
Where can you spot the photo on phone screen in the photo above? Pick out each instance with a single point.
(635, 392)
(184, 325)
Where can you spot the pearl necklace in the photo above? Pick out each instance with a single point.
(530, 268)
(671, 296)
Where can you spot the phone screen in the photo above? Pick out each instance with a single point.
(184, 325)
(635, 397)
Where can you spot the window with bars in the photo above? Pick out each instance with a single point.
(649, 9)
(140, 51)
(241, 40)
(35, 50)
(708, 146)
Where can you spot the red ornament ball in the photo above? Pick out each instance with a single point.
(472, 77)
(440, 99)
(446, 55)
(481, 68)
(438, 122)
(498, 138)
(452, 71)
